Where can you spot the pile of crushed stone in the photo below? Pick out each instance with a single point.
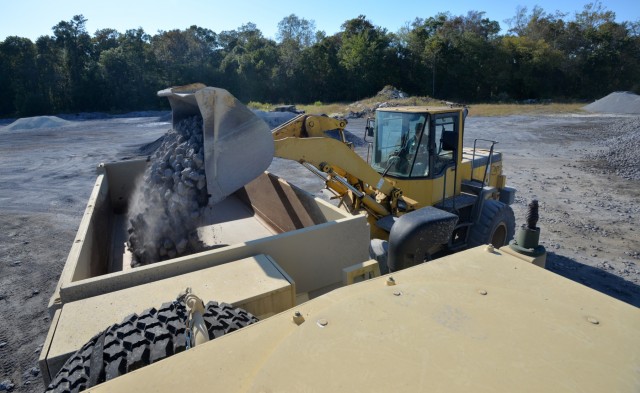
(389, 96)
(616, 102)
(274, 119)
(167, 206)
(366, 108)
(29, 123)
(391, 93)
(622, 153)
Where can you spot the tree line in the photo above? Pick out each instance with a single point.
(456, 57)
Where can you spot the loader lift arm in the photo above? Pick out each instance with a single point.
(346, 174)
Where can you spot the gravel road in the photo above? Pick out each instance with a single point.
(589, 215)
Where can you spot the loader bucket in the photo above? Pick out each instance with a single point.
(238, 145)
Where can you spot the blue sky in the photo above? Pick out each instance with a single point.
(33, 18)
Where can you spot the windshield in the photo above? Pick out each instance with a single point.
(401, 146)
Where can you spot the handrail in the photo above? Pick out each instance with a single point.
(490, 160)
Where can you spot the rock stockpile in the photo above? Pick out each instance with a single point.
(274, 119)
(383, 99)
(392, 93)
(616, 102)
(30, 123)
(622, 152)
(167, 206)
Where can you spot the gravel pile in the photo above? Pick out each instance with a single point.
(274, 119)
(616, 102)
(391, 93)
(30, 123)
(169, 202)
(366, 108)
(622, 153)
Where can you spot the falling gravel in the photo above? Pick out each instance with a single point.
(169, 201)
(621, 154)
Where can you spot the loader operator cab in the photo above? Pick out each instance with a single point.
(410, 144)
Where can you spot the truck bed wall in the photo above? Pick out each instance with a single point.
(305, 229)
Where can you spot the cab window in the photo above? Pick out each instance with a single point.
(444, 125)
(401, 145)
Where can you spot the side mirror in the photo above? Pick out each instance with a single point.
(371, 123)
(449, 140)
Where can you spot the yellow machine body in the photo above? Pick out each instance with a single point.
(363, 188)
(481, 320)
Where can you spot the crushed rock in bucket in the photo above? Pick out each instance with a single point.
(168, 203)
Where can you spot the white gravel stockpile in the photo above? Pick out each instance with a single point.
(622, 153)
(29, 123)
(616, 102)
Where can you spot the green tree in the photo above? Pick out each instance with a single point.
(49, 67)
(75, 47)
(128, 72)
(418, 47)
(187, 56)
(299, 30)
(596, 49)
(103, 40)
(452, 56)
(295, 35)
(530, 67)
(364, 56)
(248, 63)
(459, 57)
(323, 77)
(18, 60)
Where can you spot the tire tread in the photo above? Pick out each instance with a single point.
(143, 339)
(492, 213)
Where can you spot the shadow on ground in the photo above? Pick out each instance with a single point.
(594, 278)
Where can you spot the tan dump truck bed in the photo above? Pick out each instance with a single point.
(266, 236)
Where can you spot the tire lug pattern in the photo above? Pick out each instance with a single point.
(142, 339)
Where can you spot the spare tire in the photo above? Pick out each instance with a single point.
(141, 340)
(496, 225)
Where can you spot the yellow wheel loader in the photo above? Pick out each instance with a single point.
(424, 194)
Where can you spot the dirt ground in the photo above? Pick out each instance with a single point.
(589, 217)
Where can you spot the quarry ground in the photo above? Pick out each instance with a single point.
(589, 217)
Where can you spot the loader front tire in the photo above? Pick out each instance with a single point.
(141, 340)
(496, 225)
